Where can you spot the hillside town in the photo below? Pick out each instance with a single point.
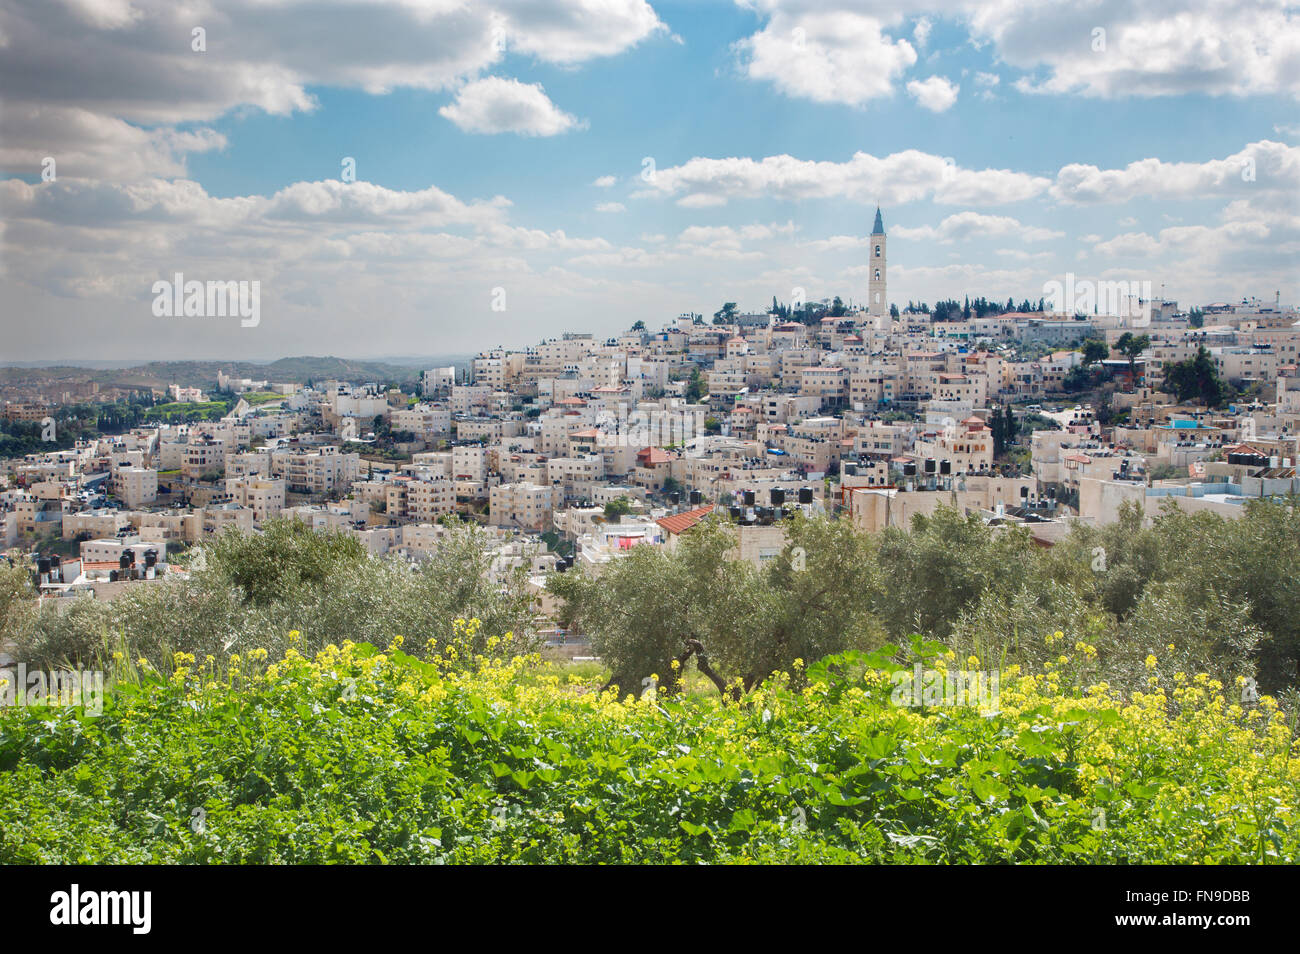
(573, 450)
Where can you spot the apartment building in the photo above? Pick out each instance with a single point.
(430, 496)
(325, 470)
(427, 421)
(203, 457)
(135, 486)
(525, 506)
(264, 496)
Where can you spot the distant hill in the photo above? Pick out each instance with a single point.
(159, 374)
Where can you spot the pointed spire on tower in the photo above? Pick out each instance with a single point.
(879, 227)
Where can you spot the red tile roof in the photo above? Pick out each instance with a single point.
(681, 522)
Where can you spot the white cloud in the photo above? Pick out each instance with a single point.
(921, 31)
(86, 144)
(1263, 166)
(496, 105)
(900, 177)
(132, 62)
(605, 182)
(968, 225)
(837, 243)
(700, 200)
(709, 234)
(1020, 255)
(830, 56)
(937, 93)
(1151, 48)
(611, 207)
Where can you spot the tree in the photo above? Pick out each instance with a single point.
(1196, 379)
(1131, 345)
(1003, 431)
(258, 588)
(928, 576)
(1076, 380)
(893, 312)
(837, 308)
(738, 623)
(616, 509)
(639, 326)
(726, 314)
(1009, 430)
(695, 386)
(1094, 351)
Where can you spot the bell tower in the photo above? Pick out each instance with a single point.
(877, 299)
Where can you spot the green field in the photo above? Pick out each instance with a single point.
(261, 397)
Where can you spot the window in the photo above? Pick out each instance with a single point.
(877, 251)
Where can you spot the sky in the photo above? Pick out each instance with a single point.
(436, 176)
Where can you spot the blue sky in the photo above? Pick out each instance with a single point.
(1004, 144)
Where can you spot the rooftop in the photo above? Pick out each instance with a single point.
(681, 522)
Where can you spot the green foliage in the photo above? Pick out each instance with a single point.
(695, 386)
(617, 508)
(180, 412)
(942, 567)
(1221, 591)
(285, 556)
(743, 622)
(360, 756)
(256, 588)
(1197, 379)
(1131, 346)
(1094, 351)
